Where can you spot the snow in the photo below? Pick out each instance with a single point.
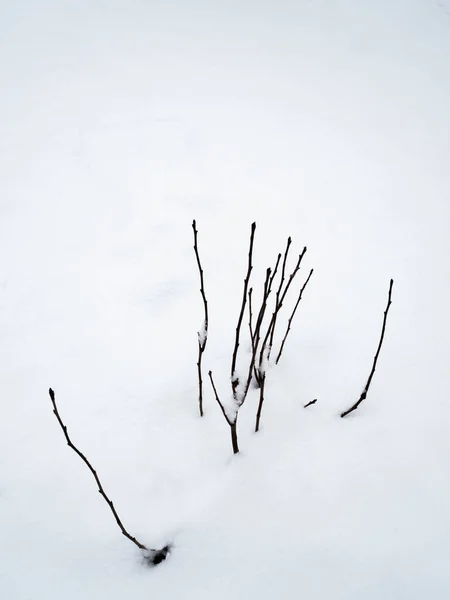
(120, 123)
(203, 334)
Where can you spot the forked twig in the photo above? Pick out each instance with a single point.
(153, 556)
(375, 360)
(203, 333)
(231, 422)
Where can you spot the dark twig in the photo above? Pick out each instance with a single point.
(257, 331)
(153, 556)
(231, 422)
(250, 317)
(264, 306)
(234, 378)
(222, 408)
(203, 333)
(310, 403)
(262, 386)
(383, 329)
(280, 287)
(266, 346)
(292, 315)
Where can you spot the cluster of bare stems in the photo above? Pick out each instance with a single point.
(262, 333)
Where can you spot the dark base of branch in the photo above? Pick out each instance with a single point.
(156, 557)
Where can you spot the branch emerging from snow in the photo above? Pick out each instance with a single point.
(203, 333)
(152, 556)
(375, 360)
(234, 378)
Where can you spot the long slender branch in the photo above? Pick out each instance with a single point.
(234, 379)
(257, 331)
(152, 556)
(250, 317)
(267, 345)
(203, 333)
(375, 360)
(94, 473)
(280, 287)
(292, 316)
(264, 304)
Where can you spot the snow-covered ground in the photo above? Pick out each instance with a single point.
(120, 122)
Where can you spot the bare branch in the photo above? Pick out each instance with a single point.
(234, 379)
(281, 295)
(231, 423)
(375, 360)
(292, 315)
(153, 556)
(262, 385)
(250, 317)
(222, 408)
(257, 331)
(264, 355)
(203, 333)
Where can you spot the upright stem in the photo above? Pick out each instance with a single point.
(375, 359)
(203, 333)
(234, 379)
(261, 401)
(234, 437)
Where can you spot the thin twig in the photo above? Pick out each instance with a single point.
(383, 329)
(234, 378)
(280, 287)
(97, 480)
(222, 408)
(203, 333)
(231, 422)
(250, 317)
(292, 315)
(266, 347)
(264, 304)
(257, 332)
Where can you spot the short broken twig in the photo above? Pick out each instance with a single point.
(310, 403)
(375, 360)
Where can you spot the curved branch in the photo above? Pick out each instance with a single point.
(375, 359)
(153, 556)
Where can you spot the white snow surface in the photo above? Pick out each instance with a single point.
(120, 122)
